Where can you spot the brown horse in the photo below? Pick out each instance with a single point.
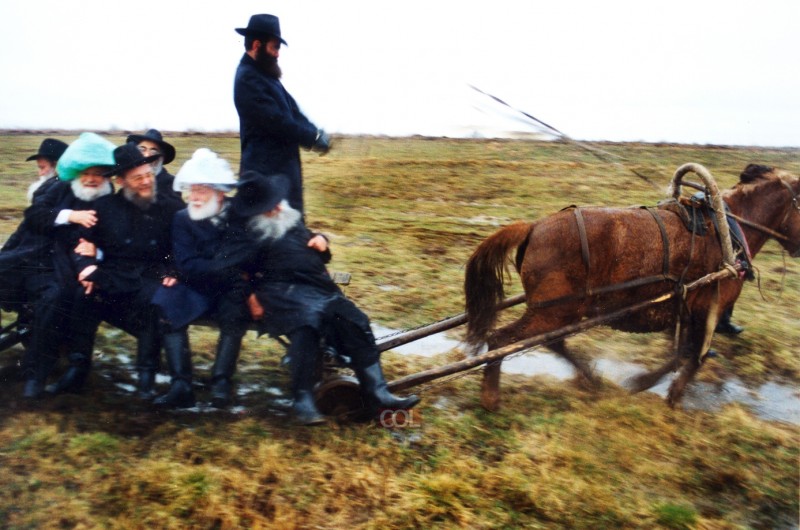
(567, 260)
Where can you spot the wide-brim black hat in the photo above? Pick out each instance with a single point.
(257, 193)
(154, 135)
(262, 25)
(51, 149)
(128, 156)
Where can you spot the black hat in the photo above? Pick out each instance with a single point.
(127, 156)
(257, 193)
(261, 25)
(155, 136)
(50, 148)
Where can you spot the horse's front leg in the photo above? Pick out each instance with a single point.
(693, 350)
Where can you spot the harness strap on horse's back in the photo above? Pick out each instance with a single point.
(664, 240)
(584, 244)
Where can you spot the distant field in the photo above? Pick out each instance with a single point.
(403, 215)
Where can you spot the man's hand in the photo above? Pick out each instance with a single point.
(318, 243)
(88, 286)
(322, 143)
(169, 281)
(86, 248)
(255, 307)
(85, 218)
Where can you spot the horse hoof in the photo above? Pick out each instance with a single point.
(490, 403)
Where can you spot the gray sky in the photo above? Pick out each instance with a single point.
(721, 72)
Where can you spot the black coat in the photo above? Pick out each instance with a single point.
(205, 254)
(164, 182)
(136, 244)
(271, 127)
(293, 285)
(38, 241)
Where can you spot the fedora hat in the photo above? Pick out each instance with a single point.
(127, 156)
(261, 25)
(154, 135)
(51, 149)
(257, 193)
(205, 168)
(89, 150)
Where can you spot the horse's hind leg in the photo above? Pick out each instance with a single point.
(490, 384)
(585, 371)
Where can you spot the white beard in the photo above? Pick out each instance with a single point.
(89, 194)
(198, 212)
(277, 226)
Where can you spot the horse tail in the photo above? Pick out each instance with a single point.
(483, 281)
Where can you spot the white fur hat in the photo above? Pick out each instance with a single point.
(205, 167)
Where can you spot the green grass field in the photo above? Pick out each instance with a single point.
(403, 215)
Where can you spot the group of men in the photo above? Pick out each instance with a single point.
(141, 259)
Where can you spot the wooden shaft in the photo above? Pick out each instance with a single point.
(543, 338)
(437, 327)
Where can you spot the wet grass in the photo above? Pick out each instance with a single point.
(403, 216)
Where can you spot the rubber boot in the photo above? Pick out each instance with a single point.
(303, 353)
(224, 367)
(179, 359)
(80, 364)
(725, 326)
(148, 359)
(374, 389)
(34, 388)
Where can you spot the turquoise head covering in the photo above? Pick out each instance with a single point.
(87, 151)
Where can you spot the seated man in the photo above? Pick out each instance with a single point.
(152, 143)
(46, 276)
(198, 234)
(133, 231)
(287, 265)
(47, 157)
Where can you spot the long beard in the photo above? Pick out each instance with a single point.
(198, 212)
(157, 165)
(275, 227)
(138, 201)
(89, 194)
(268, 64)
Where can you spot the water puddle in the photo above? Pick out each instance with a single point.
(769, 401)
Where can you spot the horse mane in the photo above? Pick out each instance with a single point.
(754, 172)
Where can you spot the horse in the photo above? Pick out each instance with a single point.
(586, 262)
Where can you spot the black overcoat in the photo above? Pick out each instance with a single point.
(136, 244)
(206, 253)
(271, 127)
(293, 285)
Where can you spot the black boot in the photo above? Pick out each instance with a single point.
(80, 364)
(374, 389)
(180, 394)
(148, 359)
(725, 326)
(34, 388)
(303, 351)
(224, 367)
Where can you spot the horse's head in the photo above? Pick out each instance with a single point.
(785, 189)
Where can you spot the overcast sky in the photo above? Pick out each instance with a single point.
(720, 72)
